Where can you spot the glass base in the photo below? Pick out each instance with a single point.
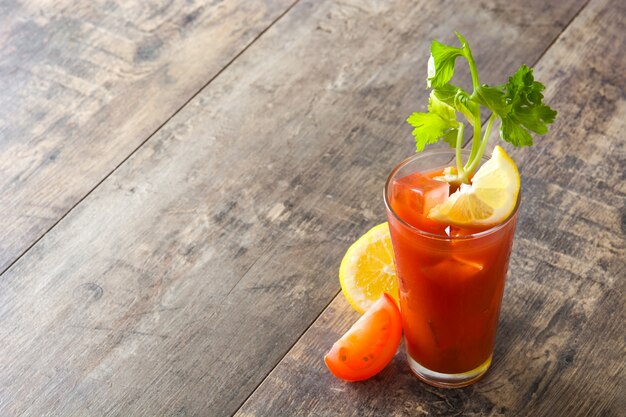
(440, 380)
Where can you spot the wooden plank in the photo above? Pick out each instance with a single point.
(177, 285)
(560, 347)
(84, 83)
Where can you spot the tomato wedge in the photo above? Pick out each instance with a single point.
(369, 345)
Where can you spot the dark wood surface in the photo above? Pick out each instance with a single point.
(184, 262)
(84, 83)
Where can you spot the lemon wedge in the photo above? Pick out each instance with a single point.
(367, 270)
(488, 201)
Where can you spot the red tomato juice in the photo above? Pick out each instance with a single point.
(450, 286)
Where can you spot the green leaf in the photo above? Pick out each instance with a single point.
(464, 43)
(494, 98)
(445, 111)
(447, 93)
(430, 127)
(468, 107)
(441, 63)
(450, 137)
(527, 110)
(515, 134)
(535, 119)
(457, 98)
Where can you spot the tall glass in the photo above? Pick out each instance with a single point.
(450, 286)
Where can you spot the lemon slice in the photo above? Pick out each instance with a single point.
(367, 270)
(488, 201)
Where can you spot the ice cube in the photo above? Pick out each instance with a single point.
(453, 268)
(420, 192)
(414, 195)
(456, 231)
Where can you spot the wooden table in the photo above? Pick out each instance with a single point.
(181, 179)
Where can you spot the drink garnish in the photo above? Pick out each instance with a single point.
(488, 201)
(369, 345)
(517, 104)
(367, 270)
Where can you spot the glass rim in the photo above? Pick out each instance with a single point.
(425, 233)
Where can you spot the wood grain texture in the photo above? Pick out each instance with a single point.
(561, 341)
(84, 83)
(177, 285)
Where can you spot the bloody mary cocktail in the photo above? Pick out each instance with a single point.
(451, 279)
(451, 220)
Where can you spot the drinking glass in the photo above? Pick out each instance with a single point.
(450, 286)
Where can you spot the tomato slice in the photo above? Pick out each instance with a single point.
(369, 345)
